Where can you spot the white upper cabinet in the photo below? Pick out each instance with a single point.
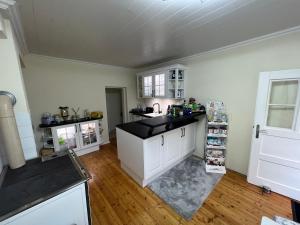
(167, 82)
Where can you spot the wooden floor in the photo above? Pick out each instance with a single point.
(117, 199)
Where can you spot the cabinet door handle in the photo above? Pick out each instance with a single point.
(162, 140)
(75, 128)
(79, 127)
(181, 132)
(184, 132)
(257, 131)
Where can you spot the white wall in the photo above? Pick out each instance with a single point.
(232, 76)
(52, 82)
(11, 80)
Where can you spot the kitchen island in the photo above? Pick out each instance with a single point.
(150, 147)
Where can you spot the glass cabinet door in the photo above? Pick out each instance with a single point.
(88, 133)
(148, 86)
(159, 84)
(66, 137)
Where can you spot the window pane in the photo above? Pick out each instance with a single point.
(280, 116)
(156, 79)
(284, 92)
(157, 92)
(162, 90)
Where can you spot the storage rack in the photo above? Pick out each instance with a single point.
(215, 145)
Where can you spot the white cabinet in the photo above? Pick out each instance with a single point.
(189, 138)
(172, 147)
(153, 155)
(82, 137)
(68, 208)
(153, 85)
(65, 137)
(167, 82)
(89, 134)
(145, 160)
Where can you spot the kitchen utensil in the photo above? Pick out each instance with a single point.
(64, 112)
(97, 115)
(76, 115)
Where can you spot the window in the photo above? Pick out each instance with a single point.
(148, 86)
(160, 85)
(282, 103)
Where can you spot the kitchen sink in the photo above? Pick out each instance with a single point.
(154, 114)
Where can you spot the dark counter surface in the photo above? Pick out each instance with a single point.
(150, 127)
(67, 122)
(36, 182)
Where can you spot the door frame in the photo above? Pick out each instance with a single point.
(262, 99)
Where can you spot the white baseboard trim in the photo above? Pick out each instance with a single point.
(87, 150)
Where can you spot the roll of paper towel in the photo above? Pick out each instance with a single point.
(9, 136)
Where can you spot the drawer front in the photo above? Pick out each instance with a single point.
(68, 208)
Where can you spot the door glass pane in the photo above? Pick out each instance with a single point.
(280, 116)
(282, 103)
(148, 86)
(62, 139)
(85, 134)
(92, 132)
(71, 137)
(160, 85)
(284, 92)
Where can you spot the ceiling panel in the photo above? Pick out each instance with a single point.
(134, 33)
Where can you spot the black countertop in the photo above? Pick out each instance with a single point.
(150, 127)
(36, 182)
(67, 122)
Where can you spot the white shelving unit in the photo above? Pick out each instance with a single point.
(82, 137)
(216, 139)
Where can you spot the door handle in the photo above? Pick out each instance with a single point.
(257, 131)
(162, 140)
(184, 132)
(181, 132)
(79, 127)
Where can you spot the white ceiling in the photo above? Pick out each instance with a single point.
(135, 33)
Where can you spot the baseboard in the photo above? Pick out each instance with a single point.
(135, 177)
(105, 143)
(87, 150)
(198, 154)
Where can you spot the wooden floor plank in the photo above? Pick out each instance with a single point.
(117, 200)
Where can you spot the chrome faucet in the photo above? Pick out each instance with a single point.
(158, 106)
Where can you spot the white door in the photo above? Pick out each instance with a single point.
(172, 147)
(189, 139)
(153, 156)
(275, 150)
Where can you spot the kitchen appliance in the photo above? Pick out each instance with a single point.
(10, 139)
(149, 109)
(64, 112)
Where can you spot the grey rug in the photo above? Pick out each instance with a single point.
(186, 186)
